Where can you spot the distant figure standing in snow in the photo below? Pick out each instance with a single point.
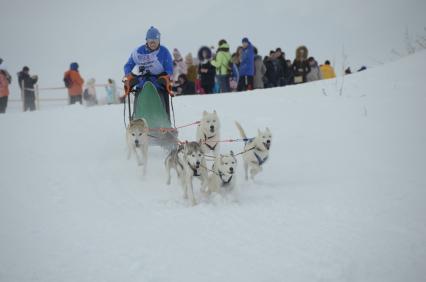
(222, 64)
(235, 75)
(89, 94)
(111, 90)
(191, 68)
(26, 83)
(260, 71)
(327, 71)
(283, 68)
(315, 73)
(4, 90)
(300, 65)
(206, 70)
(179, 66)
(74, 82)
(246, 68)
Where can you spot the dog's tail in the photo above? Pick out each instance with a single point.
(241, 130)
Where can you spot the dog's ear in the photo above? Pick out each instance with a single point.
(268, 130)
(205, 113)
(214, 111)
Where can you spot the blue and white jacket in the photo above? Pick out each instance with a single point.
(154, 62)
(247, 61)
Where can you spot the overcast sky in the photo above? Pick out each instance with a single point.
(47, 35)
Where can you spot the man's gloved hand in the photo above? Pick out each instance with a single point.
(164, 80)
(129, 81)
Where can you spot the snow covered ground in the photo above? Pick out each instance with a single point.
(342, 197)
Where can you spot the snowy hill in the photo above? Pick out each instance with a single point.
(342, 197)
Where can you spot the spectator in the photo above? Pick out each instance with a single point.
(259, 71)
(283, 68)
(315, 73)
(246, 68)
(290, 73)
(271, 70)
(300, 65)
(206, 70)
(191, 67)
(4, 90)
(184, 86)
(111, 90)
(235, 76)
(26, 83)
(222, 64)
(74, 82)
(179, 66)
(3, 67)
(327, 70)
(89, 94)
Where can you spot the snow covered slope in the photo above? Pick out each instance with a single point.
(342, 197)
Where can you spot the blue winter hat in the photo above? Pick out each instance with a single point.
(74, 66)
(153, 34)
(245, 39)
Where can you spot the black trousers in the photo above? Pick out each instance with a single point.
(245, 83)
(75, 99)
(29, 103)
(3, 104)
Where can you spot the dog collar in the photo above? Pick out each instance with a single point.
(210, 137)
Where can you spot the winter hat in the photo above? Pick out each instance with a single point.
(74, 66)
(189, 60)
(202, 50)
(176, 54)
(245, 40)
(25, 69)
(153, 34)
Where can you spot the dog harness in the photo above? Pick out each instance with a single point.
(208, 146)
(260, 161)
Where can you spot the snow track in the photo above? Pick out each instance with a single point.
(341, 198)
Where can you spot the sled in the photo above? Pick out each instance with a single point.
(150, 105)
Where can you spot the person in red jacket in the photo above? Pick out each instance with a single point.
(74, 82)
(4, 90)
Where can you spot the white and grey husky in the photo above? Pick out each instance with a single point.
(222, 178)
(189, 162)
(256, 151)
(208, 132)
(137, 141)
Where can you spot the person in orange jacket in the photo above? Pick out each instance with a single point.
(327, 70)
(4, 90)
(74, 82)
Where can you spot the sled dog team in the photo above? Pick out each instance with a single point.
(189, 159)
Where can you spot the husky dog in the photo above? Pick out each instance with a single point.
(208, 132)
(256, 150)
(137, 141)
(223, 174)
(188, 161)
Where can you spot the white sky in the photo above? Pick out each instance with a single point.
(47, 35)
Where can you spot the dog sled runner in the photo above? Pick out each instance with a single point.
(151, 106)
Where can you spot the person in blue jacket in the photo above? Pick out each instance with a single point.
(246, 69)
(151, 62)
